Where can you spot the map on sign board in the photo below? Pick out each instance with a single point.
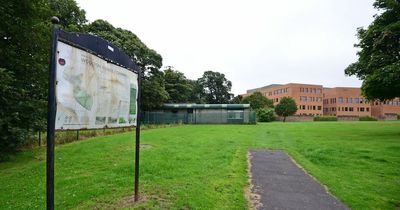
(93, 93)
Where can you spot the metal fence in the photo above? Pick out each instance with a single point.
(214, 117)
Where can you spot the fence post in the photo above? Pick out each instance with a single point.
(77, 134)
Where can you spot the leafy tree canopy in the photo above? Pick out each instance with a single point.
(286, 107)
(215, 87)
(378, 62)
(178, 87)
(258, 101)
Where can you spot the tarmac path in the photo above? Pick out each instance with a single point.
(281, 184)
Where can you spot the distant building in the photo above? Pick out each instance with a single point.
(315, 100)
(386, 110)
(345, 101)
(307, 97)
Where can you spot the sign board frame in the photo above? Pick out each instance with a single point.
(104, 50)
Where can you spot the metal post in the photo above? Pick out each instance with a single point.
(51, 118)
(137, 149)
(40, 139)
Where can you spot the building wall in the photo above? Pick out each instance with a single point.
(345, 101)
(307, 97)
(388, 109)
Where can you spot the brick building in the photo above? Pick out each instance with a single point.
(345, 101)
(386, 110)
(339, 101)
(307, 97)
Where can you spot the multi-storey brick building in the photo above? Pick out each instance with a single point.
(345, 101)
(307, 97)
(387, 109)
(338, 101)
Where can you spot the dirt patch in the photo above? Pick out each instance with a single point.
(130, 201)
(145, 146)
(253, 198)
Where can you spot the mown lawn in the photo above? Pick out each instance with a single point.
(204, 166)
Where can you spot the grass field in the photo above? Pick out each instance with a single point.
(204, 166)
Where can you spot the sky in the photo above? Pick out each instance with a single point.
(254, 42)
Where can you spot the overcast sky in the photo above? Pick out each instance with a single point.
(254, 43)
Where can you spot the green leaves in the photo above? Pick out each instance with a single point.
(379, 57)
(286, 107)
(258, 101)
(215, 87)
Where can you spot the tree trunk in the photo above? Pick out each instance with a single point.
(284, 118)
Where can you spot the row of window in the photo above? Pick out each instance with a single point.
(309, 107)
(279, 91)
(346, 109)
(310, 90)
(310, 99)
(345, 100)
(390, 103)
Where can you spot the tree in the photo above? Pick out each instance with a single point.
(197, 93)
(215, 87)
(258, 101)
(178, 87)
(378, 62)
(71, 16)
(236, 100)
(265, 115)
(286, 107)
(153, 91)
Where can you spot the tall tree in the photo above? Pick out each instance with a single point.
(378, 62)
(178, 87)
(216, 88)
(153, 84)
(258, 101)
(71, 16)
(286, 107)
(24, 47)
(237, 99)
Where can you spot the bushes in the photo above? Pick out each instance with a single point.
(265, 115)
(367, 118)
(325, 118)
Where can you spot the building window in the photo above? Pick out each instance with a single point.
(351, 109)
(319, 107)
(319, 90)
(356, 100)
(346, 109)
(350, 100)
(362, 109)
(367, 109)
(306, 90)
(361, 100)
(301, 90)
(340, 100)
(313, 107)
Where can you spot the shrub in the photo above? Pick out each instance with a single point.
(367, 118)
(265, 115)
(325, 118)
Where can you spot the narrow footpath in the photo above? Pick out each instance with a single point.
(281, 184)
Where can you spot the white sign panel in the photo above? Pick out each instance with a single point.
(93, 93)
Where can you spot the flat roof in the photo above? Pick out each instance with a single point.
(206, 106)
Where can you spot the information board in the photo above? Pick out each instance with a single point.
(92, 92)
